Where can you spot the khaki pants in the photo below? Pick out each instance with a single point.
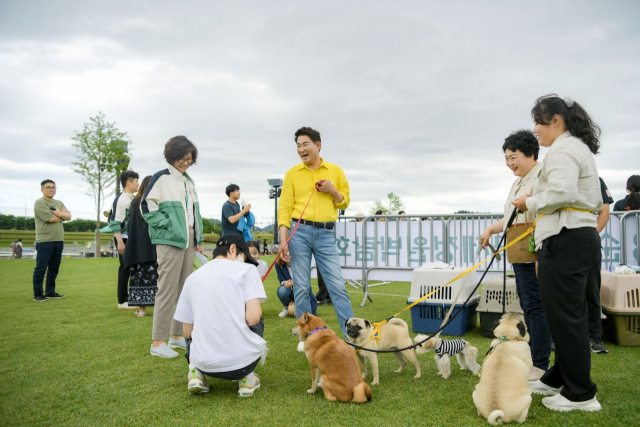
(174, 266)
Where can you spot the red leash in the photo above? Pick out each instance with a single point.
(290, 236)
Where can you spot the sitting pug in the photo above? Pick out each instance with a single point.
(394, 334)
(503, 393)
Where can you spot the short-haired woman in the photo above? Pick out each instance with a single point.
(565, 197)
(521, 156)
(170, 207)
(140, 257)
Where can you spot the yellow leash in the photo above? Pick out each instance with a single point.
(468, 270)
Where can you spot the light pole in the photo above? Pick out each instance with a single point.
(25, 212)
(274, 193)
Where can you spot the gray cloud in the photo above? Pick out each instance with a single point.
(411, 97)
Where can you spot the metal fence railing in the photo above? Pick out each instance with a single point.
(389, 247)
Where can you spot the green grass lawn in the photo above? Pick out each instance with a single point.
(80, 361)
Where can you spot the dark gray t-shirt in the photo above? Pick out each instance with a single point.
(230, 209)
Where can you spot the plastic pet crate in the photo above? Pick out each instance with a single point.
(426, 317)
(622, 328)
(491, 297)
(620, 296)
(620, 292)
(426, 280)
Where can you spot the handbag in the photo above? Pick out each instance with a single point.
(520, 252)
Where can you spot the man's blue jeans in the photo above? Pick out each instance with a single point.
(321, 244)
(531, 302)
(49, 257)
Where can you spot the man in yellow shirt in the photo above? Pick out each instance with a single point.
(315, 235)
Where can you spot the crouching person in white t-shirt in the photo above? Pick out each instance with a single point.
(221, 315)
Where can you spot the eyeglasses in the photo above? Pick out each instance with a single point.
(50, 188)
(186, 161)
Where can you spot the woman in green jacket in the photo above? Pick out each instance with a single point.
(170, 207)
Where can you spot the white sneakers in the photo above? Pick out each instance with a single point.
(561, 403)
(538, 387)
(557, 402)
(284, 312)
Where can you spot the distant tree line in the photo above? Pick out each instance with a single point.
(12, 222)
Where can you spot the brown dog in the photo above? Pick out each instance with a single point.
(332, 361)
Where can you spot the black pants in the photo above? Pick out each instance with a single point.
(47, 260)
(123, 278)
(595, 307)
(567, 266)
(323, 292)
(238, 374)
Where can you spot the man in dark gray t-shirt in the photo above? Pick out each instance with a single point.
(231, 212)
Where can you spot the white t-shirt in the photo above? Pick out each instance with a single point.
(262, 268)
(213, 300)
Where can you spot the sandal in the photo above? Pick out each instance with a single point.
(140, 314)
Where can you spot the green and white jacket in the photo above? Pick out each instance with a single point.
(164, 208)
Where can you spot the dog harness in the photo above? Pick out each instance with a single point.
(375, 335)
(450, 347)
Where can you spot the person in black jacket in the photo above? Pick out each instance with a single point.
(632, 201)
(140, 255)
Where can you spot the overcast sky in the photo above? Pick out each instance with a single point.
(410, 97)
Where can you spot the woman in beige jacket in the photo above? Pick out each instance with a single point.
(566, 194)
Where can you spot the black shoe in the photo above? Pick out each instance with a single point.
(329, 302)
(323, 302)
(54, 295)
(597, 347)
(40, 298)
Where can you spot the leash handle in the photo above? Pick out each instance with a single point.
(290, 236)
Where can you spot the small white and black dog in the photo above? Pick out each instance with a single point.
(464, 352)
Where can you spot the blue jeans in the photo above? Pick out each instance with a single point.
(531, 303)
(49, 257)
(285, 295)
(321, 243)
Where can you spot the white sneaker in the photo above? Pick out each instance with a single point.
(561, 403)
(197, 382)
(536, 373)
(181, 343)
(163, 351)
(538, 387)
(284, 312)
(126, 306)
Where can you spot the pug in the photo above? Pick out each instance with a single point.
(503, 393)
(394, 334)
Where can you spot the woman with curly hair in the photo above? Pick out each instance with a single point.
(565, 197)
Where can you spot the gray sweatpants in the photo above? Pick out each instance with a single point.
(174, 266)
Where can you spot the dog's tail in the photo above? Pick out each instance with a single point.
(361, 393)
(496, 417)
(396, 321)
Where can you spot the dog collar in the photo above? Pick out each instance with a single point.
(317, 330)
(504, 338)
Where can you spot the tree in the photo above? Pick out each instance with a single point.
(101, 148)
(390, 206)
